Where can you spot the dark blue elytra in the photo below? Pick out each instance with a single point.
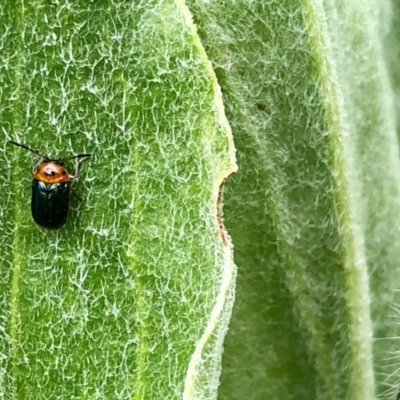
(50, 203)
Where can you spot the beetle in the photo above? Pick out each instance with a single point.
(51, 188)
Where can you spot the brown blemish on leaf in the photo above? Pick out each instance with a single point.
(220, 221)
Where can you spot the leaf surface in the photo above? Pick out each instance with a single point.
(129, 298)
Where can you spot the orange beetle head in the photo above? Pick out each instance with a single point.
(51, 171)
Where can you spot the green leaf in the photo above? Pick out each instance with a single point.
(311, 90)
(131, 298)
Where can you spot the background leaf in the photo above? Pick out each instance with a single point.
(311, 92)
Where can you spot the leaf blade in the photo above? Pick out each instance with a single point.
(124, 291)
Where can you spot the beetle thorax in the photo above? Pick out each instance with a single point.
(51, 172)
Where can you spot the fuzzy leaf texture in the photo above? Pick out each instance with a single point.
(311, 90)
(131, 299)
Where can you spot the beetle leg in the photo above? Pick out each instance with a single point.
(77, 197)
(39, 161)
(72, 191)
(79, 165)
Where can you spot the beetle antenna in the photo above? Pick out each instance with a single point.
(37, 152)
(77, 156)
